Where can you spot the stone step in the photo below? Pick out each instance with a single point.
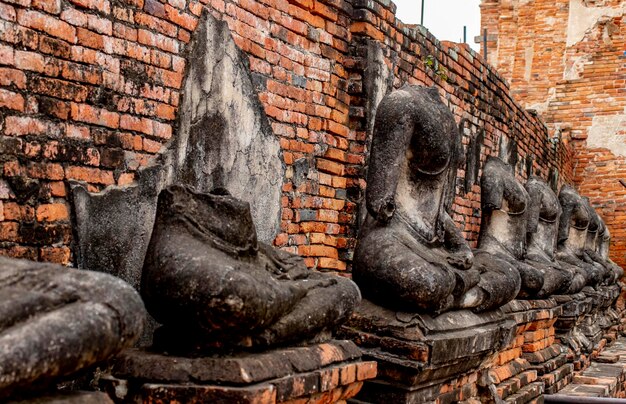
(543, 355)
(516, 383)
(600, 379)
(550, 365)
(526, 394)
(557, 375)
(584, 390)
(556, 387)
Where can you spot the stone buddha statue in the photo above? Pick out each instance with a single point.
(594, 230)
(410, 255)
(211, 284)
(55, 321)
(572, 236)
(502, 241)
(602, 250)
(543, 226)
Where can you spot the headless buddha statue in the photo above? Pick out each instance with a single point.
(502, 241)
(543, 226)
(410, 255)
(208, 279)
(594, 230)
(602, 249)
(573, 235)
(55, 321)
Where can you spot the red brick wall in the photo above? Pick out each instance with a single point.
(89, 90)
(574, 74)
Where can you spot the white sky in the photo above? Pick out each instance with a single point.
(444, 18)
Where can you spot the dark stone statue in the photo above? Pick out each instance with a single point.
(543, 225)
(55, 321)
(213, 285)
(410, 255)
(502, 241)
(595, 232)
(602, 249)
(572, 237)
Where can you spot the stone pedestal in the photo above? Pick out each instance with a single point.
(568, 327)
(534, 363)
(423, 358)
(319, 373)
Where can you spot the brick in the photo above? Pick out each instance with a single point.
(49, 6)
(58, 88)
(91, 175)
(29, 61)
(59, 255)
(97, 116)
(89, 39)
(104, 6)
(11, 100)
(318, 250)
(133, 123)
(23, 125)
(330, 167)
(42, 22)
(52, 212)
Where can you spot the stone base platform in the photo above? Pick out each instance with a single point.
(327, 372)
(423, 358)
(533, 363)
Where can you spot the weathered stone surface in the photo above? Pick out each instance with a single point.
(213, 285)
(604, 242)
(592, 242)
(237, 369)
(597, 247)
(413, 349)
(410, 255)
(573, 234)
(318, 373)
(55, 321)
(502, 242)
(223, 139)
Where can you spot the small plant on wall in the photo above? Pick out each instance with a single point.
(432, 63)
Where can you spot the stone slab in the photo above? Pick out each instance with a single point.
(241, 369)
(438, 341)
(327, 384)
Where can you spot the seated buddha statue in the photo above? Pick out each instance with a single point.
(594, 230)
(602, 250)
(543, 225)
(212, 285)
(502, 240)
(572, 237)
(56, 321)
(410, 255)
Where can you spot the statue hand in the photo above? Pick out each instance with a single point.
(461, 259)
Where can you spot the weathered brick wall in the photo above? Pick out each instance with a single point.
(89, 90)
(566, 60)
